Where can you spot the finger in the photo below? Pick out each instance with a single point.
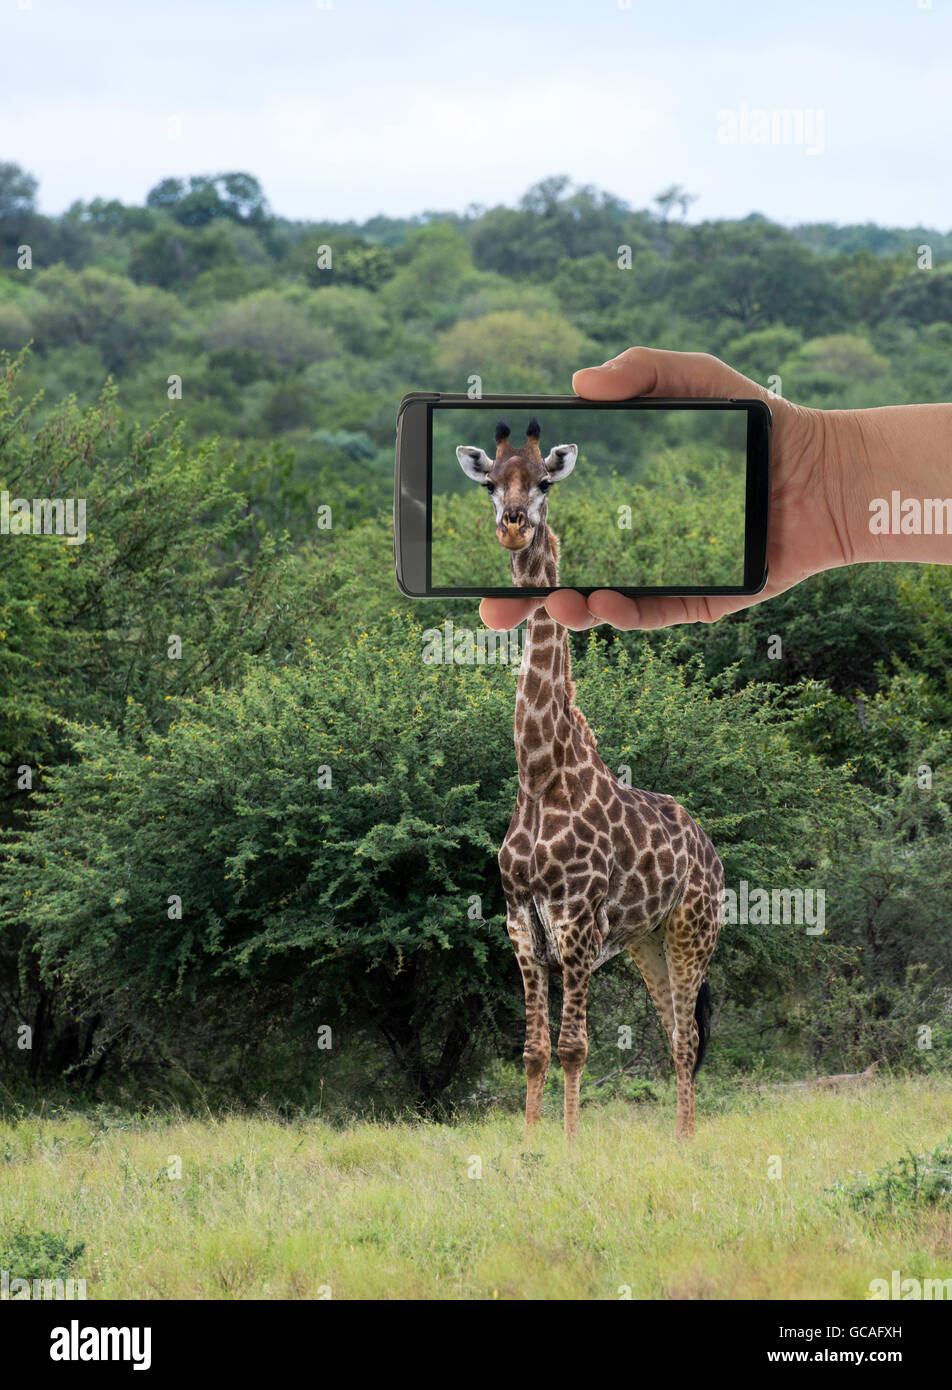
(662, 611)
(641, 371)
(570, 609)
(504, 613)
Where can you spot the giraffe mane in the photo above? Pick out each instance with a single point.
(574, 710)
(579, 716)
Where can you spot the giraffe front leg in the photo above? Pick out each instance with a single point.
(573, 1035)
(535, 980)
(538, 1048)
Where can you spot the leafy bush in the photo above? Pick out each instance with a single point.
(914, 1180)
(40, 1254)
(330, 830)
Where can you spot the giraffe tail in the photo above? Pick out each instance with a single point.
(702, 1016)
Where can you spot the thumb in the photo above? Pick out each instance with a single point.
(642, 371)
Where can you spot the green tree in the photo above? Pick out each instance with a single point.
(122, 320)
(434, 274)
(274, 325)
(88, 631)
(208, 196)
(528, 353)
(171, 256)
(353, 261)
(920, 297)
(756, 275)
(835, 368)
(17, 192)
(553, 221)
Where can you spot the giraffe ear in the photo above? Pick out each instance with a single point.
(561, 461)
(475, 463)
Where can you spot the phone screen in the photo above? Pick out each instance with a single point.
(635, 497)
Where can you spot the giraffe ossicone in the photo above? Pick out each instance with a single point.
(589, 867)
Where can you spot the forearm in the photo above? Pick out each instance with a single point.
(888, 475)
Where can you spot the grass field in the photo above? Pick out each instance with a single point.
(269, 1209)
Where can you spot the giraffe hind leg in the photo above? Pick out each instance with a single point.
(648, 955)
(674, 980)
(689, 944)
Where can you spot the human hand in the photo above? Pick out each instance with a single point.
(811, 502)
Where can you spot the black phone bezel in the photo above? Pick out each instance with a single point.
(413, 474)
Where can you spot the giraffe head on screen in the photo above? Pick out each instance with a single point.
(517, 480)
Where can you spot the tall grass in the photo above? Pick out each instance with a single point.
(271, 1209)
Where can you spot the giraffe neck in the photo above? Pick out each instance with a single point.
(548, 735)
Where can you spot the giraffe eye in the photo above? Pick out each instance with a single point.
(490, 488)
(545, 484)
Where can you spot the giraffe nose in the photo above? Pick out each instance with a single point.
(514, 516)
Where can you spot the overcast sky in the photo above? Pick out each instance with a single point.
(364, 107)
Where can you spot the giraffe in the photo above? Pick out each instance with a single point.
(589, 867)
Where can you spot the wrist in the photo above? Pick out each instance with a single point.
(888, 480)
(852, 462)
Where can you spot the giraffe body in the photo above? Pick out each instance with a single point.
(589, 867)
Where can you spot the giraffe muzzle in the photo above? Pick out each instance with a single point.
(514, 532)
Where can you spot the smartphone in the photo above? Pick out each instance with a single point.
(645, 496)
